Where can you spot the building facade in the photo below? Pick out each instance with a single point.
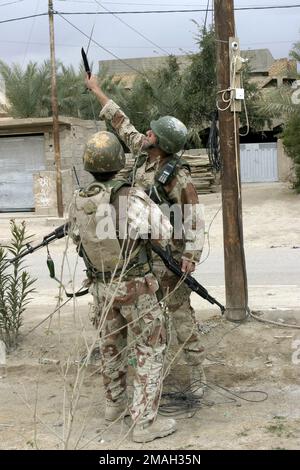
(28, 171)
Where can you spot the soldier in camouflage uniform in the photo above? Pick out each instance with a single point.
(124, 289)
(154, 156)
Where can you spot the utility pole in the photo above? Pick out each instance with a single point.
(234, 256)
(60, 208)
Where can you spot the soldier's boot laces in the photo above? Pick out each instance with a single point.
(161, 427)
(116, 409)
(197, 377)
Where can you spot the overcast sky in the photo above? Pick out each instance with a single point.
(26, 40)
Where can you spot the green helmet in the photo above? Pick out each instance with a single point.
(171, 133)
(103, 153)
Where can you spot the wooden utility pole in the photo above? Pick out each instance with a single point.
(234, 257)
(60, 208)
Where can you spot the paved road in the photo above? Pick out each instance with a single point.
(265, 266)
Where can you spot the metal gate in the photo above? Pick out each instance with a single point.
(259, 163)
(20, 157)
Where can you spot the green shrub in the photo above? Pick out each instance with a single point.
(16, 285)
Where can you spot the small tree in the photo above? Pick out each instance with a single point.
(291, 142)
(15, 286)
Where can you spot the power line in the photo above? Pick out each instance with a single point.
(59, 44)
(195, 10)
(34, 43)
(23, 18)
(133, 29)
(130, 3)
(206, 13)
(102, 47)
(10, 3)
(115, 56)
(30, 33)
(143, 4)
(146, 12)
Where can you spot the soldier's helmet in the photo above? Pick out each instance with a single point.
(171, 133)
(103, 153)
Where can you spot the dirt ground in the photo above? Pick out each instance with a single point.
(49, 400)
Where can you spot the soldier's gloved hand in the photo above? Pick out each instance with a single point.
(187, 266)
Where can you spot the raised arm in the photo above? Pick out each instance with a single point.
(111, 112)
(92, 84)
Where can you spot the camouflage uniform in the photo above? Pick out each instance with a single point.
(128, 301)
(179, 190)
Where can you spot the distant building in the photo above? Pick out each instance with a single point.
(127, 69)
(269, 72)
(265, 70)
(262, 154)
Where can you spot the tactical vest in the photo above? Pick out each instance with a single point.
(92, 209)
(162, 177)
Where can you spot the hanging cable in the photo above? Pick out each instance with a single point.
(184, 400)
(213, 144)
(23, 18)
(30, 33)
(149, 12)
(132, 28)
(11, 3)
(195, 10)
(118, 58)
(206, 13)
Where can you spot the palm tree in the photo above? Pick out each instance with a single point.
(28, 91)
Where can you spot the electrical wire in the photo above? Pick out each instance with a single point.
(35, 43)
(118, 58)
(206, 13)
(20, 18)
(185, 401)
(196, 10)
(146, 12)
(138, 3)
(271, 322)
(208, 240)
(11, 3)
(30, 33)
(213, 144)
(132, 28)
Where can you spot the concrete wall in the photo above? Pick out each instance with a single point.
(72, 144)
(45, 196)
(286, 170)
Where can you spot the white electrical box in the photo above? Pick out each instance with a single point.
(239, 94)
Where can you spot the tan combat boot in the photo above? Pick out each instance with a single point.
(115, 409)
(161, 427)
(196, 372)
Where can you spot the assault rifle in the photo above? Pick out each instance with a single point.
(189, 280)
(165, 255)
(57, 233)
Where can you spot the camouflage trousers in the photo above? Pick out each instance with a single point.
(135, 313)
(181, 313)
